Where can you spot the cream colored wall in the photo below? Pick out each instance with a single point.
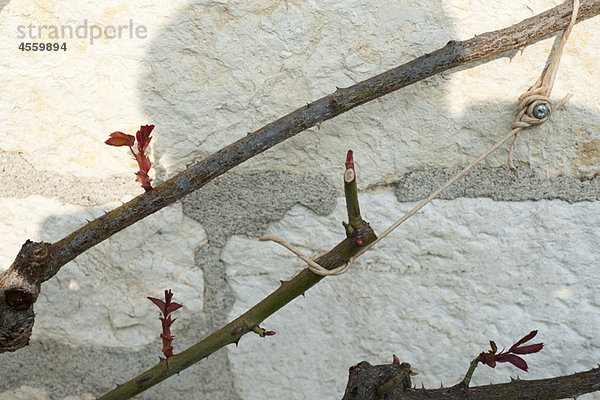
(463, 271)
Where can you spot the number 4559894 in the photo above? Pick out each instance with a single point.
(42, 46)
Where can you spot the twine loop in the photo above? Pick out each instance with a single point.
(526, 117)
(310, 262)
(539, 94)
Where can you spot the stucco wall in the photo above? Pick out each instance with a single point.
(498, 256)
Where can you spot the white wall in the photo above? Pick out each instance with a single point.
(461, 272)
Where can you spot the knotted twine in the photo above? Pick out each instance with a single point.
(537, 95)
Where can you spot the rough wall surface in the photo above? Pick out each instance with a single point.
(499, 255)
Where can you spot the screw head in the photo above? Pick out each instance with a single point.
(541, 111)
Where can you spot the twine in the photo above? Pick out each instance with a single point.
(539, 94)
(310, 262)
(536, 95)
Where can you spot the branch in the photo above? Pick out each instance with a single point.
(365, 379)
(24, 280)
(251, 319)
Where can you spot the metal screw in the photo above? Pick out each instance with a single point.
(541, 111)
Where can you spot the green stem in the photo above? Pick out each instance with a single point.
(467, 379)
(233, 331)
(251, 319)
(351, 193)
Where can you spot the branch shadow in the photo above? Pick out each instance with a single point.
(203, 89)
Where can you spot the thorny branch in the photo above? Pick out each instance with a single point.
(364, 380)
(38, 262)
(358, 233)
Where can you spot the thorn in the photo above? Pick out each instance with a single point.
(319, 126)
(395, 359)
(304, 294)
(236, 344)
(88, 220)
(422, 385)
(337, 88)
(512, 379)
(283, 282)
(441, 385)
(307, 105)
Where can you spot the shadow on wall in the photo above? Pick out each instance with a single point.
(216, 72)
(219, 71)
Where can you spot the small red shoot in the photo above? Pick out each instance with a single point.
(491, 358)
(166, 307)
(143, 139)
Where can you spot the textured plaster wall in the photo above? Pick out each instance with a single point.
(498, 256)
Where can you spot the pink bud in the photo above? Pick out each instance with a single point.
(349, 160)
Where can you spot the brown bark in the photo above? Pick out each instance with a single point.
(365, 379)
(15, 322)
